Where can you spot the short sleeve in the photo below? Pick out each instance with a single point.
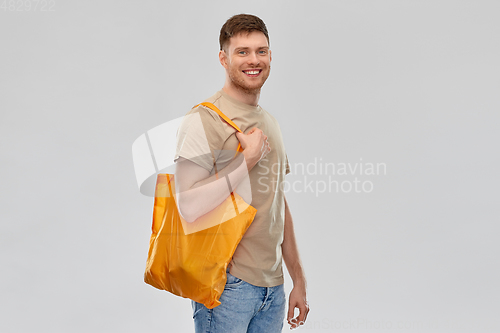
(200, 137)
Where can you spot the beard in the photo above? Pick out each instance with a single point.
(240, 82)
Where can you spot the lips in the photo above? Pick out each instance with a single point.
(252, 72)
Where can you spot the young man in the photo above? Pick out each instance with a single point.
(253, 299)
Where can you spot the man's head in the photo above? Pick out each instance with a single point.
(241, 23)
(245, 54)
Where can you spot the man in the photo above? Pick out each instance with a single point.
(253, 299)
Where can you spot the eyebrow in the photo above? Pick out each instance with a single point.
(246, 48)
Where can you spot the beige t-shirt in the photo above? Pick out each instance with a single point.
(258, 258)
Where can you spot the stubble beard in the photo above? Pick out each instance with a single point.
(240, 84)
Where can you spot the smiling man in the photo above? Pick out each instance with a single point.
(253, 299)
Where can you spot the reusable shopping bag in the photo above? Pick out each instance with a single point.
(189, 259)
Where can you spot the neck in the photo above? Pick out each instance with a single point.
(244, 96)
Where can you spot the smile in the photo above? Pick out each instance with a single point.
(252, 72)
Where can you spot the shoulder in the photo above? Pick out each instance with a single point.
(270, 117)
(207, 115)
(211, 123)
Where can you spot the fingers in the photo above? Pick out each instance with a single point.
(264, 150)
(302, 315)
(257, 143)
(265, 146)
(266, 143)
(241, 138)
(291, 309)
(301, 318)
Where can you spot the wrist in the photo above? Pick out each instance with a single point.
(300, 284)
(249, 161)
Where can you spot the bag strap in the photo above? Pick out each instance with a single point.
(223, 116)
(230, 122)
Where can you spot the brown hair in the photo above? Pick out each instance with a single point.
(241, 23)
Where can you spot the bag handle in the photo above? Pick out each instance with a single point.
(223, 116)
(230, 122)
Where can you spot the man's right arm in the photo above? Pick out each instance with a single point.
(198, 193)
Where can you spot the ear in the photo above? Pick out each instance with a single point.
(270, 57)
(223, 59)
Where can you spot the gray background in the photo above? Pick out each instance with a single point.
(412, 84)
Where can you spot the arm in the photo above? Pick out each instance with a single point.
(198, 194)
(298, 297)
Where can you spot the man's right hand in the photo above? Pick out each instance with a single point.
(255, 146)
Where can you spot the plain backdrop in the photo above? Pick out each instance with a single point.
(411, 85)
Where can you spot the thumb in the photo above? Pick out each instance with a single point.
(240, 136)
(252, 130)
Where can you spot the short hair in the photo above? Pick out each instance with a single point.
(238, 24)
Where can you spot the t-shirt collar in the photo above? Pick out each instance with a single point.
(239, 104)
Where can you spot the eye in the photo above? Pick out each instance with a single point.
(263, 52)
(242, 52)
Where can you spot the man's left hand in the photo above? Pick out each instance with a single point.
(297, 299)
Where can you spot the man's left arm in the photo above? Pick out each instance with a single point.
(298, 297)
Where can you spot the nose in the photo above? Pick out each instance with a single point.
(253, 60)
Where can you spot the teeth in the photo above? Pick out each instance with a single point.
(252, 72)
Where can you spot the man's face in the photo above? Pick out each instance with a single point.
(247, 61)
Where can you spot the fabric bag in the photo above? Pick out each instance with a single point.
(189, 259)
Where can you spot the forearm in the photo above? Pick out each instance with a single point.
(291, 252)
(205, 195)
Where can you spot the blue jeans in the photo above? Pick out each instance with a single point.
(244, 308)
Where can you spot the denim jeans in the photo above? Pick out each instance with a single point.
(244, 308)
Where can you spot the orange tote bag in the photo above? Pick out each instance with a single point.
(190, 259)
